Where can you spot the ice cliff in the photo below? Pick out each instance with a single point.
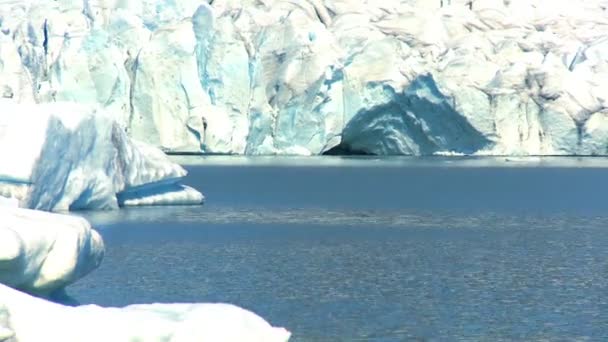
(307, 77)
(65, 156)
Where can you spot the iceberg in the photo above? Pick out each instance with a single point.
(24, 318)
(68, 156)
(419, 77)
(42, 252)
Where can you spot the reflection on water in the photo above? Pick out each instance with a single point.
(349, 254)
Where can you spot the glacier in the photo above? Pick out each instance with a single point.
(68, 156)
(24, 318)
(416, 77)
(42, 253)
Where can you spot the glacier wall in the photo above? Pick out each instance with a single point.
(494, 77)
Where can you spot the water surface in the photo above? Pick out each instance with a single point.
(343, 249)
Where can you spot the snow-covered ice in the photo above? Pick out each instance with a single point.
(28, 319)
(513, 77)
(43, 252)
(60, 156)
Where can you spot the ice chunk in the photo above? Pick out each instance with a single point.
(28, 319)
(43, 252)
(60, 156)
(9, 202)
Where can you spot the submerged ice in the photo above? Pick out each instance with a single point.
(283, 77)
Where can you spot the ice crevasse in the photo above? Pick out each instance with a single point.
(419, 77)
(67, 156)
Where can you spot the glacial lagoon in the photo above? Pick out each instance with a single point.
(375, 249)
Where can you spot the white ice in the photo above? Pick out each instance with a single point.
(60, 156)
(43, 252)
(24, 318)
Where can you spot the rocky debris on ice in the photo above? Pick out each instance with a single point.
(60, 156)
(28, 319)
(512, 77)
(42, 252)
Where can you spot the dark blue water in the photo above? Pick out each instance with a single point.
(376, 249)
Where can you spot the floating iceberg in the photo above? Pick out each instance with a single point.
(28, 319)
(43, 252)
(418, 77)
(63, 156)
